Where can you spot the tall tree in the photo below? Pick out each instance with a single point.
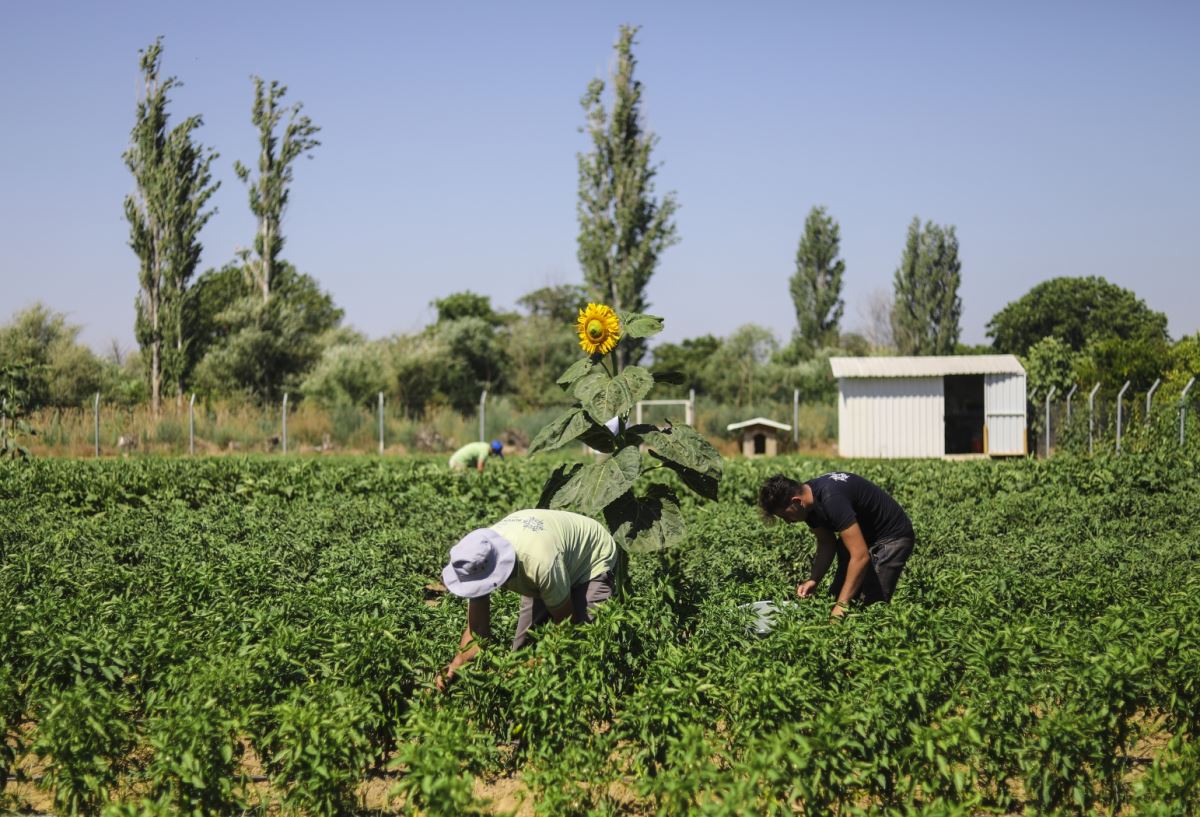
(269, 192)
(172, 184)
(622, 228)
(1077, 311)
(927, 306)
(816, 285)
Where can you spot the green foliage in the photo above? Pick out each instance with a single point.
(559, 303)
(271, 190)
(349, 374)
(263, 348)
(164, 617)
(1078, 311)
(600, 419)
(927, 306)
(1112, 361)
(173, 183)
(58, 370)
(816, 286)
(622, 228)
(1050, 363)
(14, 391)
(459, 305)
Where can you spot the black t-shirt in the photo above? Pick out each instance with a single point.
(841, 499)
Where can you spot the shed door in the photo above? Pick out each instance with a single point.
(965, 417)
(1004, 404)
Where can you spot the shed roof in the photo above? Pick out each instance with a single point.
(758, 421)
(929, 366)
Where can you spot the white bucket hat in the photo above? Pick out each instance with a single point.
(480, 562)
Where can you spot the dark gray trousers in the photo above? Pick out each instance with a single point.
(887, 562)
(584, 597)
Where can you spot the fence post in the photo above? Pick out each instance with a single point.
(1150, 396)
(96, 412)
(1120, 396)
(192, 424)
(1092, 415)
(1183, 408)
(483, 416)
(1049, 394)
(691, 408)
(284, 416)
(795, 416)
(381, 422)
(1074, 388)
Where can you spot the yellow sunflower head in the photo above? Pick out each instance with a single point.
(599, 329)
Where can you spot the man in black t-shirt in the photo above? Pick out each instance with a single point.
(853, 519)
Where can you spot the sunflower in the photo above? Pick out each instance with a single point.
(599, 329)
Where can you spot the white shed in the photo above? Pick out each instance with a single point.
(930, 406)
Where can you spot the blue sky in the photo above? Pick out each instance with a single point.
(1059, 138)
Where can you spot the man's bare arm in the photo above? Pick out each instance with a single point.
(826, 547)
(479, 628)
(856, 570)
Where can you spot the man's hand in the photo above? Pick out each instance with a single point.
(839, 611)
(443, 679)
(805, 589)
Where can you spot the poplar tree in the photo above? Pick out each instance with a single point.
(816, 286)
(622, 228)
(172, 185)
(927, 307)
(269, 192)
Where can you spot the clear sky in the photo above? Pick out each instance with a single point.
(1059, 138)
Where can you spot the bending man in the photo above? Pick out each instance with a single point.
(562, 564)
(475, 455)
(853, 519)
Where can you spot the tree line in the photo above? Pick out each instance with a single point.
(257, 326)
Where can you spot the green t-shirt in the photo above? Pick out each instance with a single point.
(471, 454)
(555, 550)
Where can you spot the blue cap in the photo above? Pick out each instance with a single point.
(497, 446)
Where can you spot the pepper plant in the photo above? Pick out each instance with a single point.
(603, 399)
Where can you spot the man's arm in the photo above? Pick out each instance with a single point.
(856, 570)
(479, 628)
(479, 463)
(826, 547)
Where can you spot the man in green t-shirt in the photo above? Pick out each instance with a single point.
(474, 455)
(562, 564)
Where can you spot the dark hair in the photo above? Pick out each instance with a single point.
(776, 494)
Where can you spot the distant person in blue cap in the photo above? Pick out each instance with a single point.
(562, 564)
(475, 454)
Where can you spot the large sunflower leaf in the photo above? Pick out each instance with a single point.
(575, 371)
(561, 475)
(562, 430)
(590, 382)
(685, 446)
(598, 438)
(703, 484)
(607, 398)
(637, 325)
(648, 524)
(597, 484)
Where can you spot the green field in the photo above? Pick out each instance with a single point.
(223, 636)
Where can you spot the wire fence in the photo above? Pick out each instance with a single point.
(191, 426)
(1116, 422)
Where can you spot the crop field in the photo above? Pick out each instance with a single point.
(229, 636)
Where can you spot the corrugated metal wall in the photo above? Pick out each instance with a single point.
(1004, 405)
(891, 417)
